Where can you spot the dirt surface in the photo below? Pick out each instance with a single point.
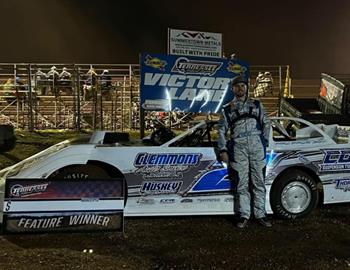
(320, 241)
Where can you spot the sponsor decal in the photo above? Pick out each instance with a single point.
(167, 201)
(145, 201)
(335, 160)
(204, 200)
(236, 68)
(157, 165)
(214, 180)
(185, 66)
(146, 159)
(157, 187)
(25, 191)
(343, 184)
(187, 200)
(76, 176)
(155, 62)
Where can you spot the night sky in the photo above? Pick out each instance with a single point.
(312, 36)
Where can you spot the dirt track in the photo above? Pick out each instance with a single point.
(321, 241)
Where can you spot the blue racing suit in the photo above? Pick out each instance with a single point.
(249, 126)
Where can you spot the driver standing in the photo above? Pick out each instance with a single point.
(249, 127)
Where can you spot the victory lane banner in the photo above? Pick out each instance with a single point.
(63, 205)
(187, 84)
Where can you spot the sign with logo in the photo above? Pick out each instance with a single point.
(194, 43)
(188, 84)
(53, 205)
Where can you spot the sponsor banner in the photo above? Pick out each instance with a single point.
(28, 189)
(189, 84)
(63, 222)
(194, 43)
(335, 160)
(52, 205)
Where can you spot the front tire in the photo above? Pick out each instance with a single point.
(294, 195)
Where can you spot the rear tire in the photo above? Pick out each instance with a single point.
(81, 172)
(294, 195)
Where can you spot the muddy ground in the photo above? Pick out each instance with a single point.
(320, 241)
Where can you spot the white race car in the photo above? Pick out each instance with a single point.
(305, 163)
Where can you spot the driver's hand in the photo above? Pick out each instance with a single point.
(224, 157)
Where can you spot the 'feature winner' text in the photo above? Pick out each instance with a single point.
(196, 87)
(57, 222)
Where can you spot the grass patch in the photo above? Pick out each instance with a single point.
(30, 143)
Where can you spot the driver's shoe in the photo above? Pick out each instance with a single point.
(264, 222)
(242, 223)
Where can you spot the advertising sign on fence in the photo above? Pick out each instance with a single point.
(188, 84)
(50, 205)
(194, 43)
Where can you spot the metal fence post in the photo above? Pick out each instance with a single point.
(77, 88)
(280, 89)
(30, 99)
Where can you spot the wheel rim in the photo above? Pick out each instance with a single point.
(296, 197)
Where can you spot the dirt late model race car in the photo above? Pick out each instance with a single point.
(305, 163)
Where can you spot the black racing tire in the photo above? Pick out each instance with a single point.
(7, 138)
(294, 195)
(81, 172)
